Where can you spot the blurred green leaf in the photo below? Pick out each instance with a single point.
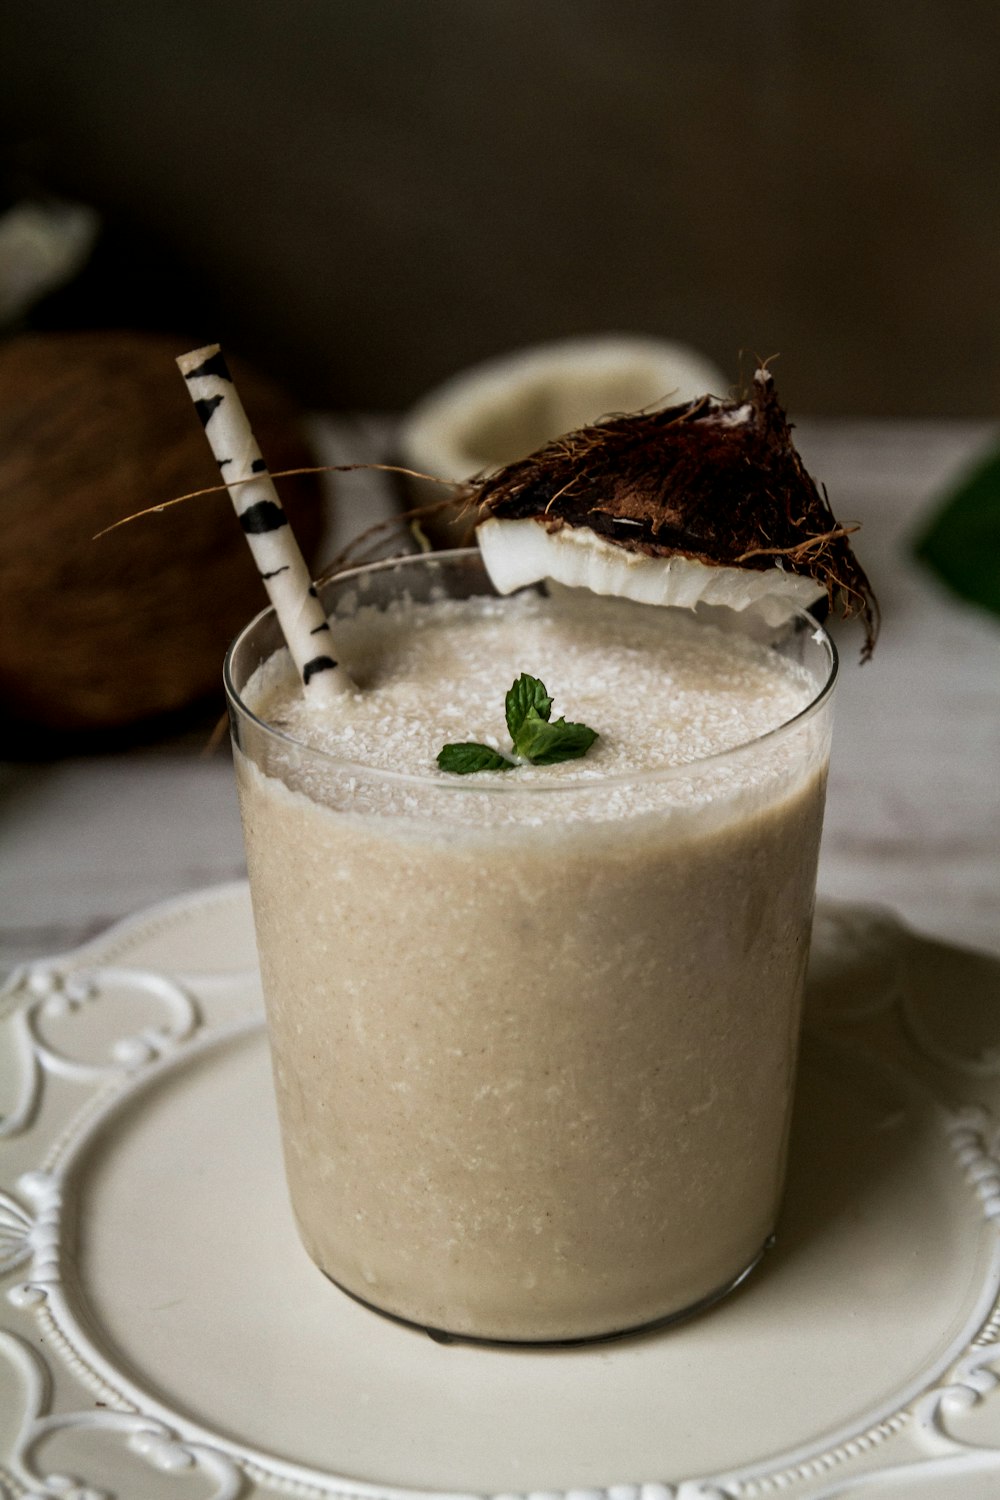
(962, 543)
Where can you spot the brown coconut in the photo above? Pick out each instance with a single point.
(95, 635)
(719, 482)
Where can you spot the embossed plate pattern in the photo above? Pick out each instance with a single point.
(162, 1333)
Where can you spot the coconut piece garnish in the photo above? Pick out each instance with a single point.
(704, 502)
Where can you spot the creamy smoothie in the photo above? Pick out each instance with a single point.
(534, 1032)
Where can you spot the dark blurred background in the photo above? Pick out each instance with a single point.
(364, 197)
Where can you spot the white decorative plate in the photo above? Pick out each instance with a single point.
(163, 1335)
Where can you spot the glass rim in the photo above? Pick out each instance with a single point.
(506, 785)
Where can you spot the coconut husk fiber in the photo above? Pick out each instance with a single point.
(99, 635)
(716, 481)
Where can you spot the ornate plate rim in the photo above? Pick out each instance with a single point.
(172, 1440)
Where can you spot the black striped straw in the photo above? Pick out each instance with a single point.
(260, 512)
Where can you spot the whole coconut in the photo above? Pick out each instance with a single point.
(95, 635)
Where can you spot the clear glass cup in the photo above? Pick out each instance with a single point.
(534, 1047)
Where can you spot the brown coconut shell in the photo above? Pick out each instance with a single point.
(95, 635)
(717, 481)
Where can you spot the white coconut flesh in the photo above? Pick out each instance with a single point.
(517, 553)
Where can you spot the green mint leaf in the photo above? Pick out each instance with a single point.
(527, 694)
(544, 744)
(467, 757)
(528, 707)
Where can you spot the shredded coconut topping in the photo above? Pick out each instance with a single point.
(660, 687)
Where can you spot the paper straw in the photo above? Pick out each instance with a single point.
(260, 512)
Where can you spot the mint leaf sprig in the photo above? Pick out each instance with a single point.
(537, 741)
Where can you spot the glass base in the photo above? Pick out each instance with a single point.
(443, 1336)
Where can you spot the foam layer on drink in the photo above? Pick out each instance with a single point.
(662, 689)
